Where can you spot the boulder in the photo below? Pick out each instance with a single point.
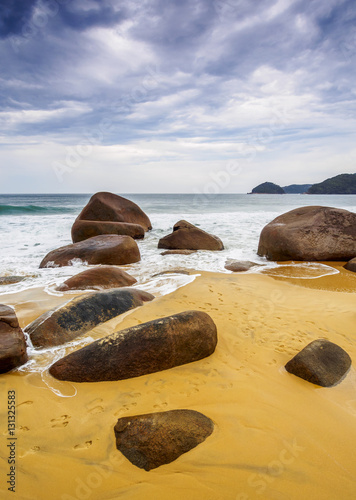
(189, 237)
(98, 278)
(155, 439)
(106, 249)
(178, 252)
(79, 315)
(111, 207)
(84, 229)
(351, 265)
(12, 340)
(321, 362)
(146, 348)
(310, 234)
(239, 266)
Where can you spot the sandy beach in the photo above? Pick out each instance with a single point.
(276, 436)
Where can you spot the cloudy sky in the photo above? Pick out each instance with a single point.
(175, 95)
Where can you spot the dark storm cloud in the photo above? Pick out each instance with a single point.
(13, 16)
(69, 65)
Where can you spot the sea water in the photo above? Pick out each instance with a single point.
(34, 224)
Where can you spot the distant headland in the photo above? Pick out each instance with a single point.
(340, 184)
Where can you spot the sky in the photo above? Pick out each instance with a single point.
(175, 96)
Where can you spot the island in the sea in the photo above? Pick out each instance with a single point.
(340, 184)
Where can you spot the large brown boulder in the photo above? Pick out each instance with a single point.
(155, 439)
(147, 348)
(111, 207)
(106, 249)
(187, 236)
(84, 229)
(12, 340)
(321, 362)
(98, 278)
(351, 265)
(79, 315)
(311, 234)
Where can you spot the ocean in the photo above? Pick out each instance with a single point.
(33, 224)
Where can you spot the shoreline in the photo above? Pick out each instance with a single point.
(275, 435)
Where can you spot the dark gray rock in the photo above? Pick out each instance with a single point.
(321, 362)
(155, 439)
(79, 315)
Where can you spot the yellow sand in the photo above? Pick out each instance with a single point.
(276, 436)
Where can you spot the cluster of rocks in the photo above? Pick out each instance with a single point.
(104, 233)
(106, 229)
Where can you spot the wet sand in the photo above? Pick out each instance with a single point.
(276, 436)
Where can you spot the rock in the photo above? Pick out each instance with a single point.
(81, 314)
(111, 207)
(84, 229)
(351, 265)
(12, 340)
(10, 280)
(98, 278)
(310, 234)
(189, 237)
(321, 362)
(147, 348)
(171, 271)
(155, 439)
(106, 249)
(178, 252)
(239, 266)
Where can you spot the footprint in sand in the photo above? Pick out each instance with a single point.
(83, 446)
(96, 409)
(62, 421)
(25, 403)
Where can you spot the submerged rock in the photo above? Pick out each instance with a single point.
(106, 206)
(10, 280)
(239, 266)
(12, 340)
(321, 362)
(155, 439)
(84, 229)
(106, 249)
(178, 252)
(187, 236)
(310, 234)
(78, 316)
(98, 278)
(351, 265)
(147, 348)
